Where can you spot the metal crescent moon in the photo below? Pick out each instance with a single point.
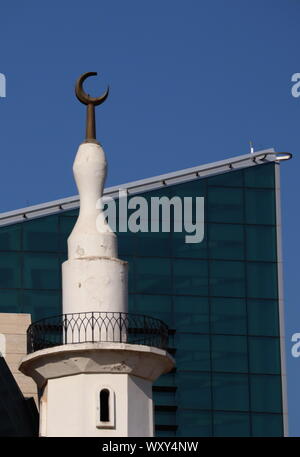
(85, 98)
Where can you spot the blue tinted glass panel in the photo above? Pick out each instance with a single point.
(192, 352)
(230, 392)
(264, 355)
(227, 279)
(41, 234)
(261, 280)
(262, 176)
(261, 243)
(41, 271)
(194, 390)
(266, 425)
(231, 424)
(225, 205)
(10, 270)
(265, 393)
(72, 212)
(194, 189)
(191, 314)
(229, 353)
(228, 315)
(153, 275)
(190, 277)
(41, 304)
(153, 244)
(263, 317)
(226, 241)
(158, 306)
(126, 244)
(166, 380)
(165, 418)
(10, 238)
(10, 301)
(164, 398)
(194, 423)
(229, 179)
(260, 206)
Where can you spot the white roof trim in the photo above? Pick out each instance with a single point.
(57, 206)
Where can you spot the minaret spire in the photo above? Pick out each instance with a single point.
(95, 363)
(91, 102)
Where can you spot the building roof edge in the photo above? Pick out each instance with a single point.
(142, 185)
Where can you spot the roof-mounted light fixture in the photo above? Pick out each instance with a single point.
(280, 156)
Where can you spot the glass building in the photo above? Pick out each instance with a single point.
(221, 298)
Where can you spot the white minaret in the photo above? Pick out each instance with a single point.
(95, 364)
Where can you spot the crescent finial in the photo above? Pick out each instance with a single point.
(91, 102)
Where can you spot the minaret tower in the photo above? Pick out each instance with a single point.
(95, 364)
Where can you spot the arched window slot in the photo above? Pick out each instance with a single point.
(105, 408)
(104, 405)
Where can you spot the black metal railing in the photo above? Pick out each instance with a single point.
(96, 327)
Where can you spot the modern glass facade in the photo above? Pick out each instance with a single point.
(219, 297)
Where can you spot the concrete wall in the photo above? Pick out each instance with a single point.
(13, 346)
(69, 406)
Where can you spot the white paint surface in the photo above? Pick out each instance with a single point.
(91, 236)
(94, 284)
(71, 406)
(93, 278)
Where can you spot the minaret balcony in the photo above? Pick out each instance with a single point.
(97, 327)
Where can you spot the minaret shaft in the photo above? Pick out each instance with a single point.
(94, 279)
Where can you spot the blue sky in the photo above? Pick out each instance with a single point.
(191, 82)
